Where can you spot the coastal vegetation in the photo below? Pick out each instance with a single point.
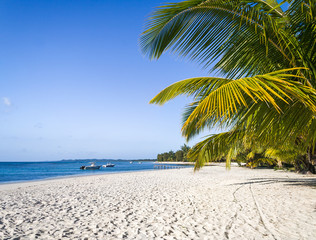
(178, 156)
(264, 103)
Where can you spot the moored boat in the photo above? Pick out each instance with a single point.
(91, 167)
(109, 165)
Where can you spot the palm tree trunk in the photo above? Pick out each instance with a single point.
(279, 164)
(307, 163)
(311, 161)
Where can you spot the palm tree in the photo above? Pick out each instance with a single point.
(266, 53)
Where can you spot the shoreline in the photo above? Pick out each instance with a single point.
(82, 175)
(106, 173)
(74, 176)
(212, 203)
(188, 163)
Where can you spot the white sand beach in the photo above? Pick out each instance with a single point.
(164, 204)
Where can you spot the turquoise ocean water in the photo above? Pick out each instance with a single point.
(28, 171)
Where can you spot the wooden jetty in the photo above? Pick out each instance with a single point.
(163, 166)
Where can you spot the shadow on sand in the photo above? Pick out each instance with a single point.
(308, 181)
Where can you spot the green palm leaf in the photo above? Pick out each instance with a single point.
(219, 100)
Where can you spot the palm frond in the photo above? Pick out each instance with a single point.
(218, 100)
(215, 147)
(241, 34)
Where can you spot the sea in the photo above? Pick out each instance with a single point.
(11, 172)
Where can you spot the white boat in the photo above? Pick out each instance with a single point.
(109, 165)
(91, 167)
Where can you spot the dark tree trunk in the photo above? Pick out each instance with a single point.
(306, 163)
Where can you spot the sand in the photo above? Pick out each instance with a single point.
(163, 204)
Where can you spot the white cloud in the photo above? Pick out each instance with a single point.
(6, 101)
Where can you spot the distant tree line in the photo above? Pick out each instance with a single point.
(171, 156)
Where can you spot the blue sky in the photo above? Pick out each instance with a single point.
(74, 84)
